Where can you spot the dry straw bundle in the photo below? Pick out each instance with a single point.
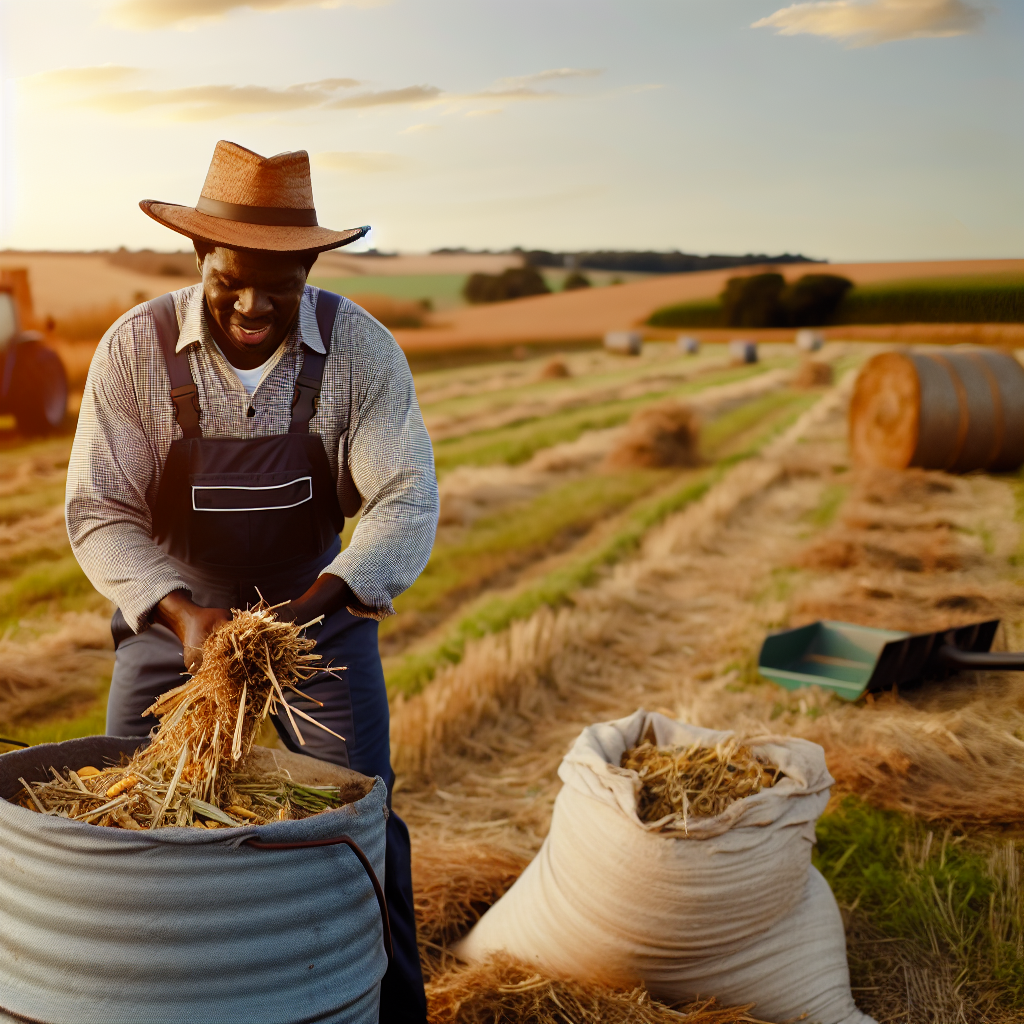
(663, 435)
(194, 771)
(678, 783)
(813, 373)
(502, 989)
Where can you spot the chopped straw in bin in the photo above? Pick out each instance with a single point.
(194, 770)
(678, 783)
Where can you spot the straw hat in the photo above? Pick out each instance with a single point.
(254, 202)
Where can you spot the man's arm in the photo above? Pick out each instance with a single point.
(114, 464)
(392, 463)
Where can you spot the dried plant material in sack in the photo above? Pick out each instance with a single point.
(198, 764)
(677, 783)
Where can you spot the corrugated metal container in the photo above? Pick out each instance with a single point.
(176, 925)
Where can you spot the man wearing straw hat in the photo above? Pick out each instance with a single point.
(226, 432)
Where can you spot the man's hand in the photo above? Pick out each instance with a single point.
(190, 623)
(327, 594)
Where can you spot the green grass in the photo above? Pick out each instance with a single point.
(31, 501)
(92, 722)
(892, 304)
(62, 581)
(698, 313)
(490, 613)
(968, 298)
(828, 506)
(518, 535)
(944, 895)
(518, 442)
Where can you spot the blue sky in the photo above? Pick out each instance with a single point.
(845, 129)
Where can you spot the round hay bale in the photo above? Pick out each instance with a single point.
(813, 373)
(659, 436)
(554, 369)
(957, 411)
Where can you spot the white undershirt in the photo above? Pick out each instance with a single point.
(251, 379)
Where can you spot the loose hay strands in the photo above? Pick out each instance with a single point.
(682, 782)
(502, 989)
(453, 885)
(194, 770)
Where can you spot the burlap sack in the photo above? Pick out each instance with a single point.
(732, 909)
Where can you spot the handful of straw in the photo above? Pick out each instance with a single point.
(194, 771)
(678, 783)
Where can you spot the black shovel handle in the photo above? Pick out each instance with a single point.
(378, 891)
(1006, 660)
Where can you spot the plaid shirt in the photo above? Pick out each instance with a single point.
(127, 423)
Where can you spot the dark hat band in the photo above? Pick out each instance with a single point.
(275, 216)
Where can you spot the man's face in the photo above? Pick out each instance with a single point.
(253, 299)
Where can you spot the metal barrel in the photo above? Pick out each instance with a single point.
(971, 411)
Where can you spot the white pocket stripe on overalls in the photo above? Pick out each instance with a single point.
(196, 491)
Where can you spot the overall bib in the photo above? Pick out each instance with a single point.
(236, 516)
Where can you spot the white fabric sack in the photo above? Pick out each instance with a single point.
(732, 909)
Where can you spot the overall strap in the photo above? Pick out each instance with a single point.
(184, 394)
(311, 375)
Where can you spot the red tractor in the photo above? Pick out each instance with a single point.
(33, 384)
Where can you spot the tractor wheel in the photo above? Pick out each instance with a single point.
(39, 389)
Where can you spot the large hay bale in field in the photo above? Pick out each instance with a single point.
(957, 411)
(813, 373)
(659, 436)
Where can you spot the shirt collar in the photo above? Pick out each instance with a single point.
(194, 326)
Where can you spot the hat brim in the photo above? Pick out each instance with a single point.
(201, 227)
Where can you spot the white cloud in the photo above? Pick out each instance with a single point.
(361, 163)
(156, 14)
(876, 21)
(110, 88)
(68, 79)
(387, 97)
(426, 127)
(552, 75)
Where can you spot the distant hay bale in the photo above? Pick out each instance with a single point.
(503, 989)
(659, 436)
(813, 373)
(554, 369)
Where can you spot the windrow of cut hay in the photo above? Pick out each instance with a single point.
(678, 628)
(502, 671)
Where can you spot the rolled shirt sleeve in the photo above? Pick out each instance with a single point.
(392, 465)
(114, 467)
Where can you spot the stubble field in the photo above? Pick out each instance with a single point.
(569, 585)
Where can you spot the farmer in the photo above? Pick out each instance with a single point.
(226, 430)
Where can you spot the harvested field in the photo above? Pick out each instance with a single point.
(563, 591)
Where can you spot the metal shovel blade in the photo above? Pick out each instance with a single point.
(852, 660)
